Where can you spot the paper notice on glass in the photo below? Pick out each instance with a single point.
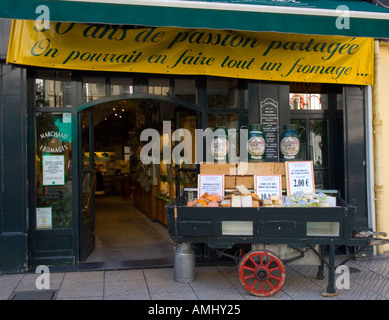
(210, 183)
(44, 218)
(53, 169)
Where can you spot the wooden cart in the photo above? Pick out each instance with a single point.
(276, 235)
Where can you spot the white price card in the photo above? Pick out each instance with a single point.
(268, 185)
(299, 177)
(210, 183)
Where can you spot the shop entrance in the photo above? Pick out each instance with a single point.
(122, 220)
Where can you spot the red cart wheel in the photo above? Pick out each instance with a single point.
(261, 273)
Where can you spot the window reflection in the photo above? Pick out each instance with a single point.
(314, 147)
(222, 93)
(185, 89)
(93, 89)
(53, 89)
(306, 101)
(229, 121)
(122, 86)
(318, 142)
(159, 86)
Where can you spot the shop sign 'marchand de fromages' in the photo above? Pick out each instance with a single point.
(167, 50)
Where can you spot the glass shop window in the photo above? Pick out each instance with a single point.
(53, 183)
(121, 86)
(314, 146)
(339, 101)
(227, 120)
(52, 89)
(185, 89)
(308, 101)
(159, 86)
(93, 88)
(222, 93)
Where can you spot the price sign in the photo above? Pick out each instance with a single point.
(299, 177)
(210, 183)
(269, 185)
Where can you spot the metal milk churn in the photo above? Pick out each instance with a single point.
(289, 143)
(184, 263)
(256, 143)
(219, 145)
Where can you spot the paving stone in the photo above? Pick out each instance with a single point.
(130, 288)
(73, 289)
(8, 283)
(217, 294)
(124, 275)
(173, 295)
(84, 276)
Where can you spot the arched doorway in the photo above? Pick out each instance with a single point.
(116, 231)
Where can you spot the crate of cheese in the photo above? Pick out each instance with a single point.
(240, 197)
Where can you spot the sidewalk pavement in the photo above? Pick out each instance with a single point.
(369, 280)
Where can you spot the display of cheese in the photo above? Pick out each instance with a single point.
(273, 202)
(308, 200)
(241, 197)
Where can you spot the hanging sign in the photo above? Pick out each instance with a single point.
(299, 177)
(269, 120)
(53, 169)
(168, 50)
(269, 185)
(210, 183)
(44, 218)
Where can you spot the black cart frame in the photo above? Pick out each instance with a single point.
(292, 226)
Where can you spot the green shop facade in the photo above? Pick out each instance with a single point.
(48, 115)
